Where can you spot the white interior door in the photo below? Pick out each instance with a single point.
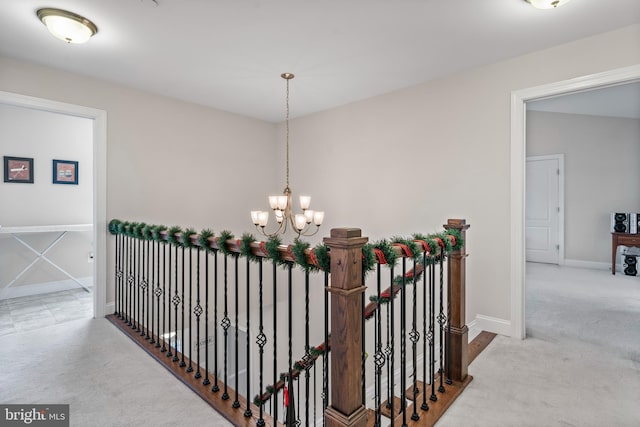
(543, 209)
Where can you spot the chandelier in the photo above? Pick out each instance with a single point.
(282, 206)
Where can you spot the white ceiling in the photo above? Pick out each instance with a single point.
(229, 54)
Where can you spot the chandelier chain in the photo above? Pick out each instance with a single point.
(287, 132)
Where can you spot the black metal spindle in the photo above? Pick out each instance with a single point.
(182, 301)
(197, 310)
(168, 334)
(290, 338)
(379, 357)
(363, 349)
(225, 326)
(161, 336)
(393, 356)
(441, 321)
(307, 354)
(448, 349)
(130, 279)
(403, 342)
(388, 349)
(142, 286)
(190, 367)
(414, 335)
(325, 353)
(275, 341)
(425, 314)
(215, 387)
(153, 282)
(236, 402)
(147, 289)
(432, 325)
(261, 341)
(206, 380)
(117, 276)
(138, 281)
(247, 412)
(176, 301)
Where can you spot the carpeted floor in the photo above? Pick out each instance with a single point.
(579, 366)
(104, 376)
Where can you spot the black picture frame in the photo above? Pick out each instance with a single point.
(18, 170)
(65, 172)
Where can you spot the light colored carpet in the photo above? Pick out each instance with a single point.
(105, 377)
(579, 366)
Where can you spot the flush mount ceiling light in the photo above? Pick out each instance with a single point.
(546, 4)
(67, 26)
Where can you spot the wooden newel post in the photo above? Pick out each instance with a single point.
(458, 340)
(346, 408)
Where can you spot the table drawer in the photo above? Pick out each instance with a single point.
(629, 240)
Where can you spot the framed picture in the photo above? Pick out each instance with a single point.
(18, 169)
(65, 172)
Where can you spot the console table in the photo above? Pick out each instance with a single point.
(60, 230)
(625, 239)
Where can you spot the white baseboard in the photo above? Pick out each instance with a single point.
(44, 288)
(489, 324)
(109, 308)
(594, 265)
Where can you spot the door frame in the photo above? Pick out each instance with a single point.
(561, 202)
(99, 118)
(518, 153)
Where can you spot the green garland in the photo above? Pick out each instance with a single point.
(368, 258)
(146, 231)
(205, 235)
(171, 235)
(156, 233)
(388, 251)
(272, 246)
(186, 237)
(413, 246)
(245, 247)
(458, 236)
(299, 249)
(222, 242)
(434, 248)
(323, 257)
(114, 226)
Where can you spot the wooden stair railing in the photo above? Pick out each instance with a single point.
(347, 403)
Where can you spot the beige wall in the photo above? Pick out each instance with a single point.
(406, 161)
(392, 165)
(169, 162)
(601, 174)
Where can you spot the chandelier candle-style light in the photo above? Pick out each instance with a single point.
(282, 206)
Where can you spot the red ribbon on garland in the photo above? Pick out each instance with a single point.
(439, 241)
(286, 397)
(313, 258)
(290, 252)
(452, 238)
(263, 248)
(425, 246)
(380, 255)
(404, 248)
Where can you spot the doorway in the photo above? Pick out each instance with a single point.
(98, 183)
(518, 187)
